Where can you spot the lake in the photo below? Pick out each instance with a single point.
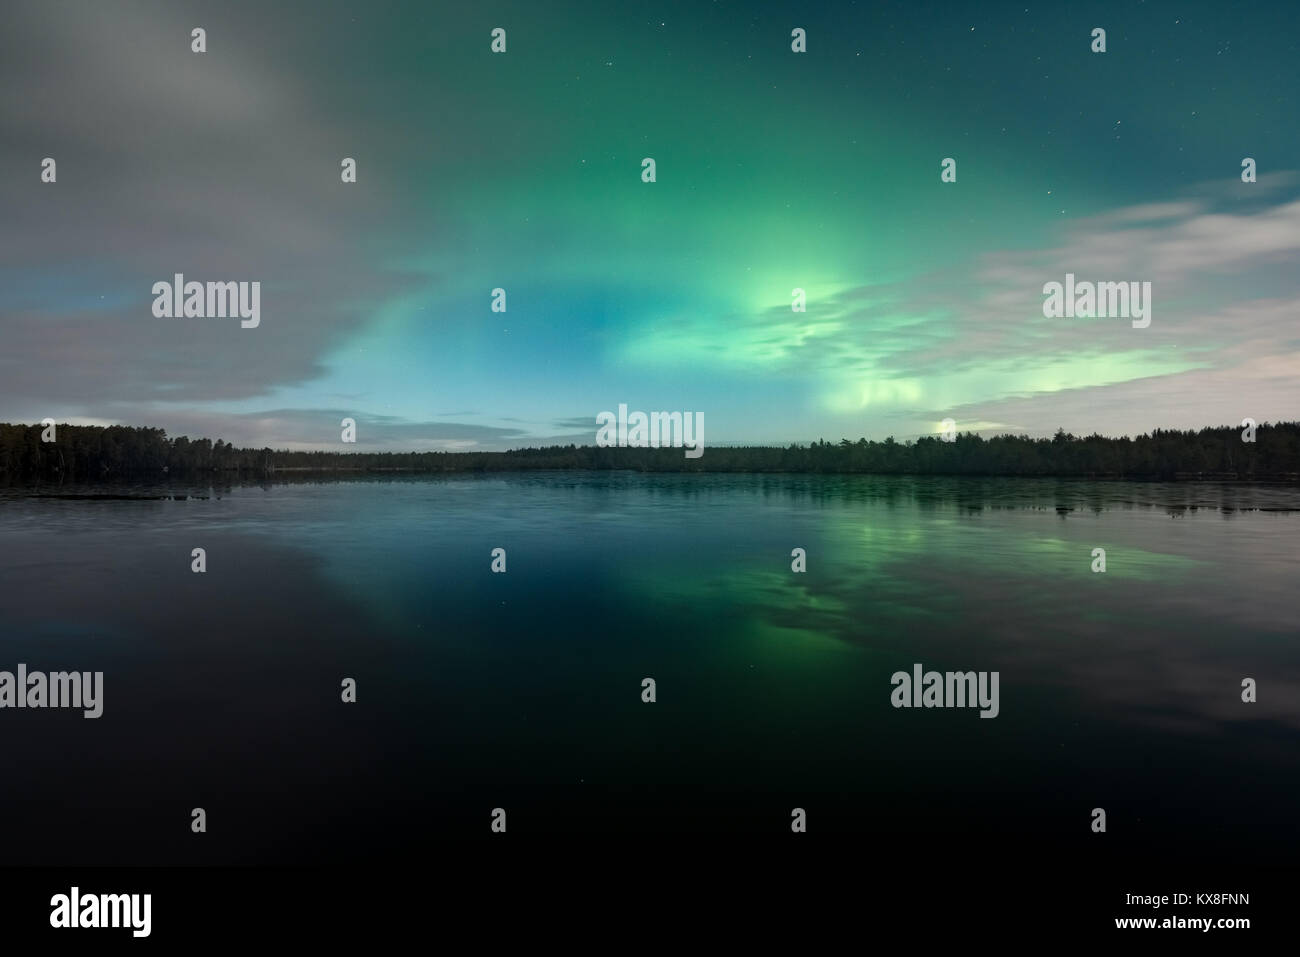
(478, 690)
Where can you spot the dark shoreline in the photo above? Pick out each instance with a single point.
(1268, 452)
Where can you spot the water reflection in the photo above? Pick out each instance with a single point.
(527, 683)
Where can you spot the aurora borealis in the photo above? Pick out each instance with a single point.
(521, 170)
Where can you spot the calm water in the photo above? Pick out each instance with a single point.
(478, 690)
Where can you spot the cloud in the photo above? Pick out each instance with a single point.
(224, 166)
(220, 166)
(579, 423)
(321, 429)
(973, 342)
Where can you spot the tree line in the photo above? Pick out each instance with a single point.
(90, 453)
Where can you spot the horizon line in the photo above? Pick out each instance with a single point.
(769, 444)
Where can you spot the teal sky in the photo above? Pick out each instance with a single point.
(775, 170)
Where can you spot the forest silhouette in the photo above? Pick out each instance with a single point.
(94, 453)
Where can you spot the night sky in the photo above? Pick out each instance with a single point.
(522, 170)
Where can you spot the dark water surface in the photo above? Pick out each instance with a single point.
(523, 691)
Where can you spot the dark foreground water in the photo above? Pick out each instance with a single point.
(522, 690)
